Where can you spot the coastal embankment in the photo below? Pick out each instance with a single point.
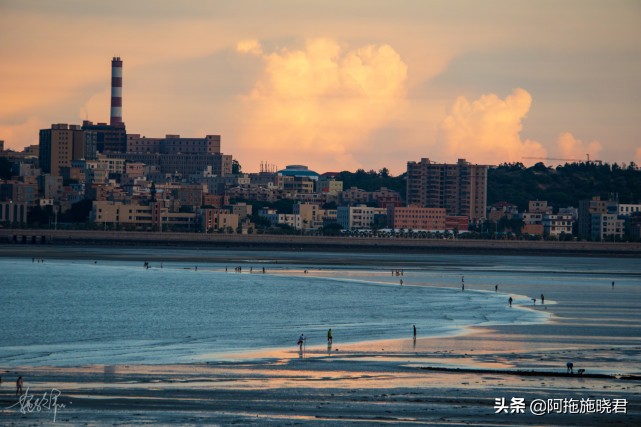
(316, 243)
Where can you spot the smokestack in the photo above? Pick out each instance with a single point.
(116, 92)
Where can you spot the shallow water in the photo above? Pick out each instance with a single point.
(64, 312)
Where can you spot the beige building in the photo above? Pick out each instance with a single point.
(555, 225)
(460, 188)
(148, 217)
(295, 184)
(329, 186)
(310, 216)
(354, 196)
(416, 218)
(59, 146)
(539, 206)
(214, 220)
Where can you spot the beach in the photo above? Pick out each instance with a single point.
(450, 375)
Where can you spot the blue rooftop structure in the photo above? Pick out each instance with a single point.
(298, 170)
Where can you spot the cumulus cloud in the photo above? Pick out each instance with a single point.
(488, 130)
(319, 104)
(571, 148)
(249, 46)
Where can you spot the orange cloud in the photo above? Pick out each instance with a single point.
(571, 148)
(318, 105)
(249, 46)
(488, 130)
(637, 157)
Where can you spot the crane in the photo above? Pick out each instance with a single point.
(566, 160)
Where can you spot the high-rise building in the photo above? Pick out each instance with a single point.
(594, 206)
(460, 188)
(59, 146)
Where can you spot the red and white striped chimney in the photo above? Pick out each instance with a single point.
(116, 92)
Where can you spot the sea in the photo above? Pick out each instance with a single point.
(101, 310)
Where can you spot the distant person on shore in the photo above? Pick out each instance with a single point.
(570, 367)
(401, 282)
(329, 336)
(496, 288)
(510, 301)
(542, 299)
(414, 331)
(263, 270)
(613, 284)
(301, 341)
(19, 384)
(533, 301)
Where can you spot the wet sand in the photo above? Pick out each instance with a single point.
(378, 382)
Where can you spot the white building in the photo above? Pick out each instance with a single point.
(555, 225)
(357, 217)
(628, 210)
(532, 218)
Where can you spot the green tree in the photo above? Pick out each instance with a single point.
(236, 168)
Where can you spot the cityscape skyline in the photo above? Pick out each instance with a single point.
(491, 83)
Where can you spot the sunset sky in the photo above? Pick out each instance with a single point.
(335, 85)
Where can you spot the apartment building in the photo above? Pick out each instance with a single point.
(359, 217)
(555, 225)
(460, 188)
(594, 206)
(59, 145)
(606, 226)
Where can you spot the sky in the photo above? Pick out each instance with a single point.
(336, 85)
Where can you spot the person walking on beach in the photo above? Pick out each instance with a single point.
(542, 299)
(570, 367)
(329, 336)
(510, 301)
(613, 284)
(301, 341)
(414, 332)
(401, 282)
(19, 384)
(496, 288)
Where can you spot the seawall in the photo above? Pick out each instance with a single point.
(315, 243)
